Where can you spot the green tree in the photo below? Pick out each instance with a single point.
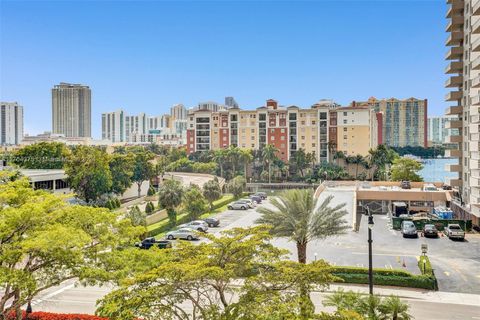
(406, 169)
(142, 169)
(194, 202)
(137, 217)
(88, 173)
(170, 196)
(212, 191)
(338, 155)
(380, 158)
(221, 157)
(269, 154)
(236, 186)
(45, 241)
(149, 208)
(198, 282)
(300, 160)
(246, 158)
(42, 155)
(121, 169)
(298, 215)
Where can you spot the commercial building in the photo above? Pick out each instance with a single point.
(178, 112)
(404, 121)
(464, 83)
(11, 123)
(438, 130)
(288, 129)
(71, 110)
(113, 126)
(69, 141)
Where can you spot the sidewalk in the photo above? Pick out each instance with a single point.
(411, 293)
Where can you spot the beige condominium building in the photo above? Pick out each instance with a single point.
(463, 55)
(315, 130)
(404, 121)
(71, 110)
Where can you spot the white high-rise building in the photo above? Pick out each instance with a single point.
(71, 110)
(437, 129)
(11, 123)
(178, 112)
(464, 95)
(135, 125)
(113, 126)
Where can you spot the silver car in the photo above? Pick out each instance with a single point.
(198, 225)
(182, 233)
(237, 205)
(409, 229)
(248, 202)
(454, 231)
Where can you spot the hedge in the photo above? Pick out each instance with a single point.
(55, 316)
(387, 277)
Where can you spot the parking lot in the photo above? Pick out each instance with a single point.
(456, 263)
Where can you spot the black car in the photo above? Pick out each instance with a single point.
(255, 198)
(212, 222)
(147, 243)
(262, 195)
(429, 230)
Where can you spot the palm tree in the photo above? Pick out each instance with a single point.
(233, 155)
(300, 217)
(246, 157)
(332, 147)
(338, 155)
(393, 308)
(220, 157)
(379, 158)
(357, 160)
(269, 153)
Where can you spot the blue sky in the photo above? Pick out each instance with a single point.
(147, 55)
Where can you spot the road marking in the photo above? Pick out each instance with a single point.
(54, 293)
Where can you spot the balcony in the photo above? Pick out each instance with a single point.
(475, 82)
(454, 53)
(453, 110)
(453, 124)
(455, 24)
(474, 164)
(474, 181)
(454, 67)
(456, 9)
(453, 168)
(476, 45)
(475, 100)
(476, 9)
(454, 182)
(453, 139)
(453, 96)
(476, 27)
(455, 81)
(453, 153)
(455, 38)
(475, 209)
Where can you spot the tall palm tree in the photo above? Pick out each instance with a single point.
(220, 157)
(246, 157)
(269, 153)
(338, 155)
(298, 215)
(233, 156)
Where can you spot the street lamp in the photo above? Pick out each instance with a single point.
(315, 254)
(370, 268)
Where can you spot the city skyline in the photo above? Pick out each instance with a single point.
(210, 54)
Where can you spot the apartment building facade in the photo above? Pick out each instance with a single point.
(404, 121)
(288, 129)
(463, 54)
(71, 110)
(11, 123)
(438, 129)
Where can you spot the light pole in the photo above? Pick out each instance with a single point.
(370, 267)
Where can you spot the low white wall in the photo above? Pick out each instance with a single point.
(132, 192)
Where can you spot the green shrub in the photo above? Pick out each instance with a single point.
(413, 281)
(151, 191)
(149, 208)
(360, 270)
(118, 204)
(222, 201)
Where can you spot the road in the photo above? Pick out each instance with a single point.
(457, 265)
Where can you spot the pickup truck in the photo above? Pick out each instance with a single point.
(147, 243)
(454, 231)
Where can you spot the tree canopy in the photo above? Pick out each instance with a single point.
(42, 155)
(406, 169)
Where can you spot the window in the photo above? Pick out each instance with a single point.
(282, 138)
(282, 130)
(345, 114)
(272, 138)
(344, 121)
(345, 129)
(345, 137)
(313, 122)
(313, 145)
(303, 137)
(303, 123)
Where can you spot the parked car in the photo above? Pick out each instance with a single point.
(454, 231)
(446, 187)
(147, 243)
(409, 229)
(405, 184)
(237, 205)
(429, 230)
(212, 222)
(182, 233)
(262, 195)
(247, 201)
(256, 199)
(198, 225)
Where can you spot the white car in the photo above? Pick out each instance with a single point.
(182, 233)
(237, 205)
(250, 203)
(454, 231)
(198, 225)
